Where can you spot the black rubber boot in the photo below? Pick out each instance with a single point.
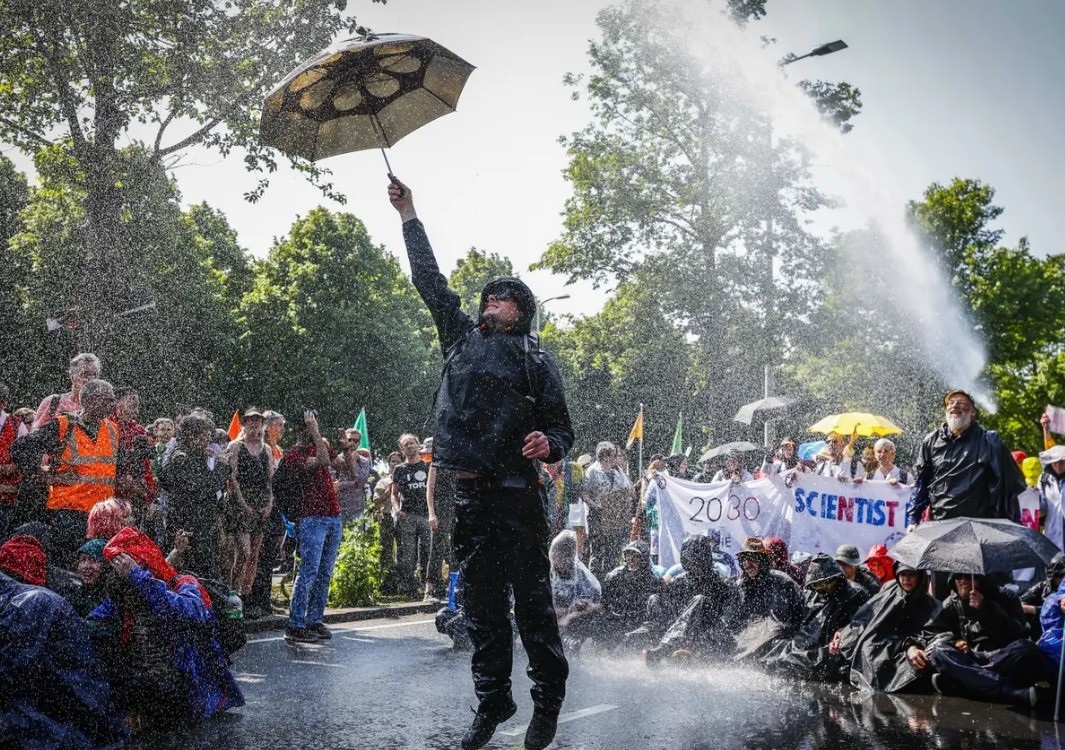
(541, 729)
(485, 723)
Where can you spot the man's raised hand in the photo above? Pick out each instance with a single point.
(401, 198)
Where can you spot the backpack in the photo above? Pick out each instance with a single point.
(288, 491)
(230, 621)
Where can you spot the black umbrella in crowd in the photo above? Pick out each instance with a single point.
(974, 545)
(362, 93)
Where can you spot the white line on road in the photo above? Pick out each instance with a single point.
(358, 640)
(516, 731)
(319, 664)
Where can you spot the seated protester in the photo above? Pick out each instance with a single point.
(883, 646)
(89, 565)
(574, 590)
(57, 579)
(880, 564)
(778, 550)
(626, 590)
(766, 593)
(107, 518)
(1032, 599)
(850, 563)
(980, 650)
(53, 689)
(831, 601)
(157, 634)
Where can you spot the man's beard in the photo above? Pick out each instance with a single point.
(491, 323)
(959, 422)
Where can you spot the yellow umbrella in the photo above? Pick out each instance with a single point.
(856, 422)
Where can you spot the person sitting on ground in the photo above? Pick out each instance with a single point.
(778, 551)
(850, 562)
(57, 579)
(89, 566)
(880, 564)
(691, 614)
(1032, 599)
(765, 593)
(575, 592)
(883, 646)
(626, 590)
(980, 650)
(831, 601)
(53, 690)
(156, 631)
(733, 471)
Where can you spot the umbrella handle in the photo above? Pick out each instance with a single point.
(392, 177)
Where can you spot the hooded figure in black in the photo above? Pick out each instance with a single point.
(877, 644)
(626, 590)
(766, 593)
(692, 611)
(499, 410)
(831, 601)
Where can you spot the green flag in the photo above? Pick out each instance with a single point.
(360, 425)
(678, 436)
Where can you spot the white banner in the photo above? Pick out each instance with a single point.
(816, 514)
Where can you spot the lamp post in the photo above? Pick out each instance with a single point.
(824, 49)
(540, 307)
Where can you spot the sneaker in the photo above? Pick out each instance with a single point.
(320, 630)
(300, 635)
(541, 729)
(484, 725)
(1021, 697)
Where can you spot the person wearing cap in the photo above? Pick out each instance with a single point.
(500, 408)
(89, 566)
(764, 592)
(963, 469)
(850, 561)
(249, 499)
(55, 691)
(883, 647)
(830, 601)
(626, 590)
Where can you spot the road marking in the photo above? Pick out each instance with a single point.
(358, 640)
(516, 731)
(349, 630)
(319, 664)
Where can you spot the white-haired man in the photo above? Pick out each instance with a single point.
(886, 470)
(83, 368)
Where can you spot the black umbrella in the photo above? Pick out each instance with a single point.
(770, 407)
(362, 93)
(974, 545)
(723, 450)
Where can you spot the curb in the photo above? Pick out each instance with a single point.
(336, 616)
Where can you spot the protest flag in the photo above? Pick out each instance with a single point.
(360, 425)
(234, 425)
(678, 436)
(636, 433)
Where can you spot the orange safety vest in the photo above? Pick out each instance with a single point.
(85, 472)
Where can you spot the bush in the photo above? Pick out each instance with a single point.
(357, 575)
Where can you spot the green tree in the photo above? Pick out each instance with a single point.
(91, 77)
(473, 272)
(332, 323)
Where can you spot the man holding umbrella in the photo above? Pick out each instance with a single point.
(500, 408)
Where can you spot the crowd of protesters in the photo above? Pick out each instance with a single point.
(124, 545)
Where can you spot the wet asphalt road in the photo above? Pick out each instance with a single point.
(397, 684)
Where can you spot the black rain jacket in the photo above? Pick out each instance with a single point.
(496, 387)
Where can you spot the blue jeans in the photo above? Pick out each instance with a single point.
(319, 540)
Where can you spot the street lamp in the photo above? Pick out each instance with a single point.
(824, 49)
(540, 307)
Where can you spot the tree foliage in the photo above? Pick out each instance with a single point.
(475, 270)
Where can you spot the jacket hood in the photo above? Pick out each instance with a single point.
(23, 557)
(642, 549)
(143, 550)
(822, 568)
(697, 556)
(523, 298)
(778, 550)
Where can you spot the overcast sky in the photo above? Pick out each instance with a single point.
(965, 88)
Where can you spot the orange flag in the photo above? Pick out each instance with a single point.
(234, 425)
(636, 433)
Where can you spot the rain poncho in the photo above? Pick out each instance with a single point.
(875, 642)
(996, 623)
(769, 594)
(578, 584)
(806, 654)
(625, 592)
(178, 612)
(53, 690)
(1052, 619)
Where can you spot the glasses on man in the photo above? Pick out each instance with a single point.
(502, 293)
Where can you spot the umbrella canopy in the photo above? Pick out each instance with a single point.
(864, 423)
(807, 451)
(722, 450)
(974, 545)
(765, 408)
(361, 93)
